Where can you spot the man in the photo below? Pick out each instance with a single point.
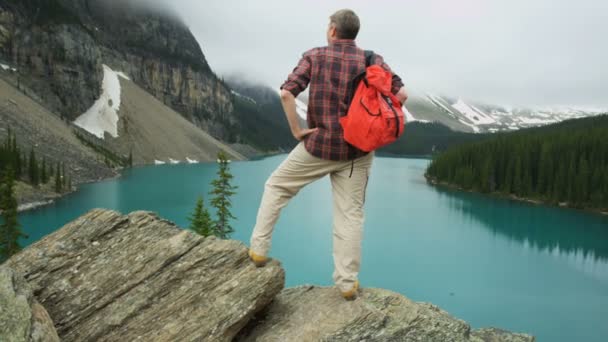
(322, 150)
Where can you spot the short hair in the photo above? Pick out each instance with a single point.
(347, 23)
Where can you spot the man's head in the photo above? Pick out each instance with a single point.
(343, 24)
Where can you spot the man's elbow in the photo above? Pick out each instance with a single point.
(286, 95)
(402, 95)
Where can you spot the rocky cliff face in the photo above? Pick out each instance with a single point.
(111, 277)
(59, 46)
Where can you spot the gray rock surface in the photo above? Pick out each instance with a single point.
(310, 313)
(137, 277)
(22, 318)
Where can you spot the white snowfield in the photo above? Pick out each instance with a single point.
(7, 67)
(123, 75)
(103, 115)
(159, 162)
(437, 101)
(243, 96)
(173, 161)
(473, 114)
(192, 161)
(409, 117)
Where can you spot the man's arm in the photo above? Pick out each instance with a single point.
(296, 82)
(289, 106)
(402, 95)
(397, 86)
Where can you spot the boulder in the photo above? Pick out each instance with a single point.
(311, 313)
(22, 318)
(137, 277)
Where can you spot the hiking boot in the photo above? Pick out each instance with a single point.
(258, 260)
(352, 293)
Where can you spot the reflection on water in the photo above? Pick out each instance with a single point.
(555, 232)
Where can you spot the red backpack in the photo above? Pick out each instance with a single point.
(375, 117)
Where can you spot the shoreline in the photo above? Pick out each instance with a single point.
(562, 205)
(48, 200)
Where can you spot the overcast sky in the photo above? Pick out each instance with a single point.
(511, 52)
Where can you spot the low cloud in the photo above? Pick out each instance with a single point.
(517, 52)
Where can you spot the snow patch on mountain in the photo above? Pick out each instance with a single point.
(409, 117)
(191, 161)
(473, 127)
(473, 114)
(243, 96)
(437, 102)
(103, 115)
(123, 75)
(7, 67)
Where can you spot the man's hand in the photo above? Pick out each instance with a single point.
(301, 133)
(289, 105)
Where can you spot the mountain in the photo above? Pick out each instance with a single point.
(59, 47)
(94, 85)
(471, 116)
(139, 124)
(259, 110)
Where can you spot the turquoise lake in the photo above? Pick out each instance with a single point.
(489, 261)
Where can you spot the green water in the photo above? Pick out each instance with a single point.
(489, 261)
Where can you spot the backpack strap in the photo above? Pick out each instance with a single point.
(369, 57)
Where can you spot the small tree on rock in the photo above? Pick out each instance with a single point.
(200, 220)
(221, 193)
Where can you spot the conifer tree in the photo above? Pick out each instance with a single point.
(200, 220)
(10, 231)
(221, 193)
(43, 172)
(58, 185)
(33, 168)
(565, 162)
(63, 178)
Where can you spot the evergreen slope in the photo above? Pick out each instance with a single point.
(561, 163)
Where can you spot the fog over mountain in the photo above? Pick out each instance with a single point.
(517, 52)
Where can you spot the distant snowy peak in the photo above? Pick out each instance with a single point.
(467, 116)
(462, 115)
(103, 115)
(473, 114)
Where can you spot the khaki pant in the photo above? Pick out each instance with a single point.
(301, 168)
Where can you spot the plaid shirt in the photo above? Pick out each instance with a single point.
(329, 70)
